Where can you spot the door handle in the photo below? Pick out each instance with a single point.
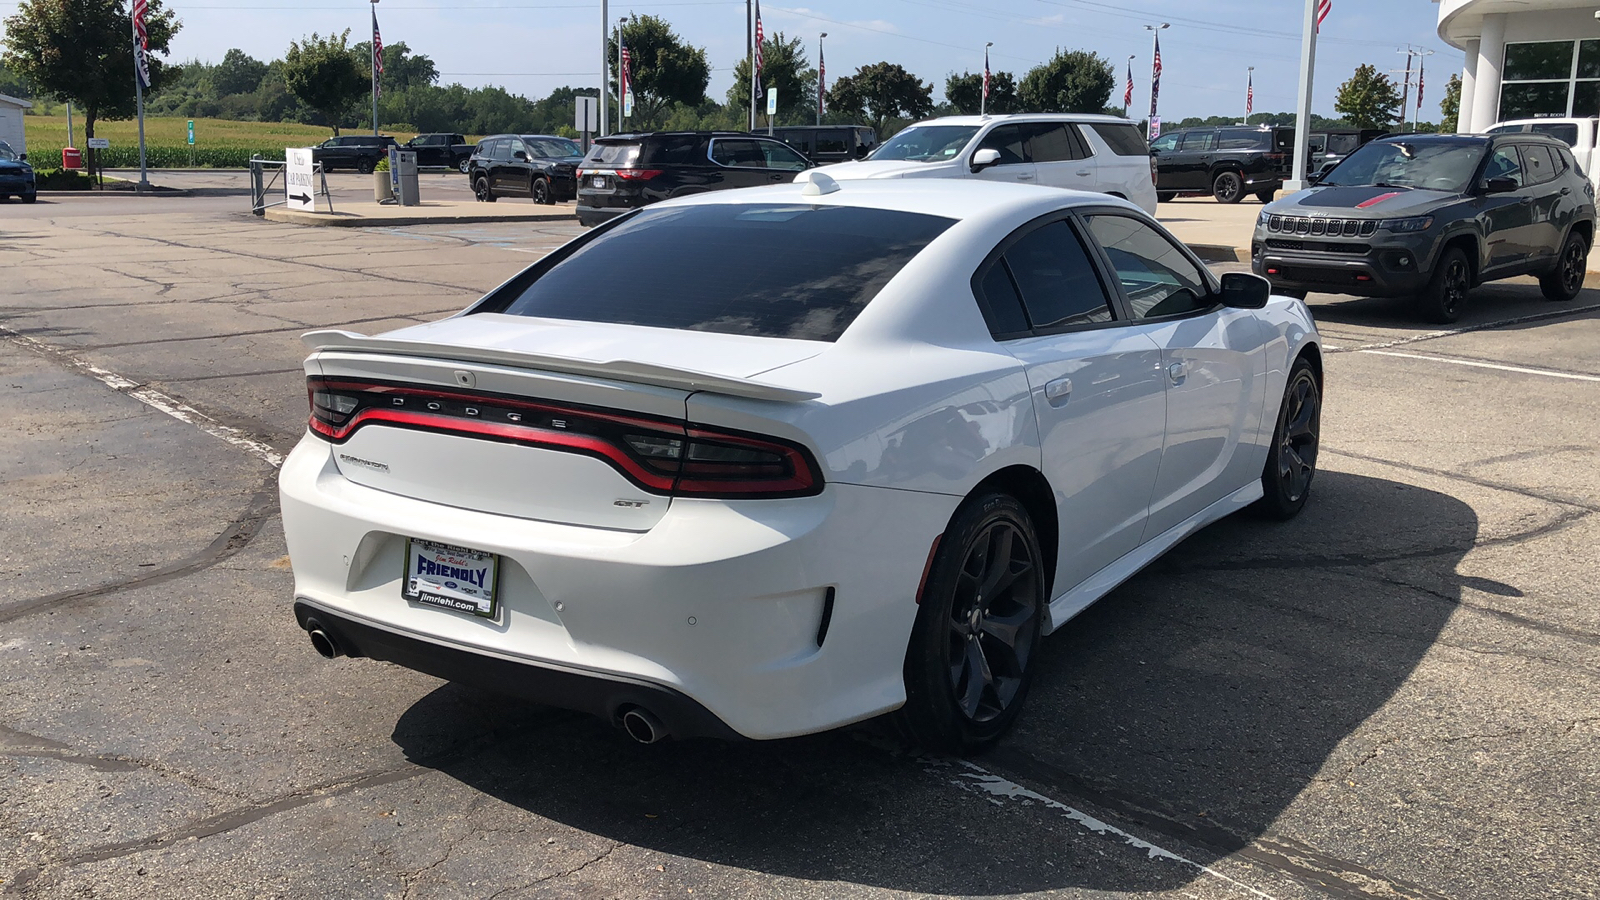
(1058, 392)
(1024, 176)
(1565, 191)
(774, 177)
(1178, 371)
(1084, 172)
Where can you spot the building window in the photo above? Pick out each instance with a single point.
(1545, 79)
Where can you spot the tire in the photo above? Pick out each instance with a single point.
(30, 198)
(971, 657)
(465, 164)
(1227, 187)
(481, 189)
(1266, 196)
(540, 192)
(364, 166)
(1166, 196)
(1292, 458)
(1442, 300)
(1565, 281)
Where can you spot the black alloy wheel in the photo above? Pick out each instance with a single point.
(541, 192)
(971, 655)
(1228, 187)
(480, 189)
(1292, 459)
(364, 166)
(1565, 281)
(465, 164)
(1446, 294)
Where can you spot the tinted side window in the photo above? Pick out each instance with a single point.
(1157, 278)
(1059, 284)
(1505, 164)
(1243, 140)
(1196, 141)
(1009, 140)
(737, 153)
(1166, 142)
(1540, 167)
(1048, 142)
(1124, 140)
(675, 150)
(833, 142)
(1001, 304)
(781, 156)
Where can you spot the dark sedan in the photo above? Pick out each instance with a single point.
(541, 167)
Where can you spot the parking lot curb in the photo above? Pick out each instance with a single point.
(350, 220)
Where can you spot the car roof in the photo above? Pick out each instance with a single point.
(642, 135)
(1446, 138)
(1087, 118)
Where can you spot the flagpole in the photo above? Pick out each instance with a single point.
(1249, 89)
(622, 88)
(605, 67)
(1155, 78)
(1127, 93)
(140, 72)
(374, 54)
(983, 95)
(1302, 130)
(822, 74)
(750, 59)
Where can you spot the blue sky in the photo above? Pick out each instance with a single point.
(532, 46)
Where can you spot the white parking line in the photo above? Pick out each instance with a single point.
(152, 398)
(1521, 370)
(979, 780)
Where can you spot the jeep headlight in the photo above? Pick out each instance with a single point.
(1408, 225)
(1261, 220)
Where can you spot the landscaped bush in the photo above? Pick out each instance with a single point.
(60, 180)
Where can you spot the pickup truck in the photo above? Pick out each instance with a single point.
(1579, 134)
(441, 150)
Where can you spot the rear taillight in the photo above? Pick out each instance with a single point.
(636, 174)
(660, 456)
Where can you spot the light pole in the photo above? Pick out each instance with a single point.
(372, 43)
(605, 67)
(983, 92)
(1302, 122)
(822, 74)
(1154, 130)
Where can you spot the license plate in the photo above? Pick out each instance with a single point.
(450, 577)
(598, 181)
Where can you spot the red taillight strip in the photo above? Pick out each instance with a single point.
(519, 434)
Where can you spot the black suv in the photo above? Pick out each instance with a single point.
(627, 171)
(823, 144)
(540, 166)
(1430, 216)
(1226, 163)
(1326, 148)
(450, 150)
(353, 151)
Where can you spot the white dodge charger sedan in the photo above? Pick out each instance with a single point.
(766, 462)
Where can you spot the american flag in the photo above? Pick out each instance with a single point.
(822, 80)
(377, 55)
(1127, 92)
(1323, 8)
(1155, 78)
(141, 41)
(1419, 85)
(760, 35)
(986, 74)
(1249, 95)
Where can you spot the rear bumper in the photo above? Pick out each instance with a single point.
(721, 602)
(603, 695)
(590, 216)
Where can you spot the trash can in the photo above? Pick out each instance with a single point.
(71, 158)
(403, 176)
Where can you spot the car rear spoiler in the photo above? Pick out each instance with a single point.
(616, 370)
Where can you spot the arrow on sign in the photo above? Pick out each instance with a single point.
(300, 198)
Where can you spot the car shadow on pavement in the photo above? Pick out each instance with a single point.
(1494, 302)
(1191, 706)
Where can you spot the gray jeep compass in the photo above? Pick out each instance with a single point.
(1431, 216)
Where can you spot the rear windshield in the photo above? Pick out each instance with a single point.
(773, 271)
(619, 155)
(1125, 140)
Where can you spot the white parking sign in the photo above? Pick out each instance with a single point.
(297, 184)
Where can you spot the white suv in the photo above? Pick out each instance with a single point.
(1081, 152)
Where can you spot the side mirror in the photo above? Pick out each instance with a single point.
(23, 158)
(1245, 290)
(519, 155)
(1499, 185)
(1316, 177)
(984, 158)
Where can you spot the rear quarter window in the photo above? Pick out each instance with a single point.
(772, 271)
(1245, 141)
(1124, 140)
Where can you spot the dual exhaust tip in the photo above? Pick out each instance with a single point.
(639, 723)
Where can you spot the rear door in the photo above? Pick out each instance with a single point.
(1060, 157)
(1553, 204)
(1011, 141)
(1096, 388)
(742, 163)
(1212, 363)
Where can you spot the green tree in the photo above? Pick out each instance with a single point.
(964, 91)
(402, 69)
(783, 66)
(880, 92)
(1450, 106)
(665, 70)
(1075, 81)
(1369, 99)
(322, 73)
(238, 73)
(81, 51)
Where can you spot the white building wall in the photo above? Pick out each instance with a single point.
(11, 127)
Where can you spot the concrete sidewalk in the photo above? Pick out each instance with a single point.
(434, 212)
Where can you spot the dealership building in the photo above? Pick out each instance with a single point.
(1525, 58)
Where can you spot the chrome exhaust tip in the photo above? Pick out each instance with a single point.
(323, 642)
(643, 726)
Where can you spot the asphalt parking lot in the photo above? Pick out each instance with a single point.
(1394, 695)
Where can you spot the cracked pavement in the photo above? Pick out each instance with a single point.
(1394, 695)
